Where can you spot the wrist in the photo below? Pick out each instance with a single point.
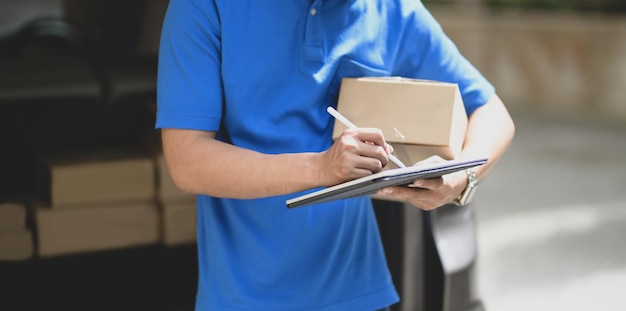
(315, 166)
(471, 184)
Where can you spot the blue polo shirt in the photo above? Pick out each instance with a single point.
(261, 74)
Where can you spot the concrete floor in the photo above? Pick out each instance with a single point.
(552, 219)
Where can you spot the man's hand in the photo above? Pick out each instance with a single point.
(357, 153)
(431, 193)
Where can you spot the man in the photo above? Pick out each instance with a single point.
(242, 96)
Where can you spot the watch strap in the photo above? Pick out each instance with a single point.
(472, 182)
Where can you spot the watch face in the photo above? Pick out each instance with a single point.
(471, 177)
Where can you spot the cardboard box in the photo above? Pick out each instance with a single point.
(83, 179)
(178, 208)
(179, 222)
(12, 216)
(95, 228)
(16, 245)
(418, 118)
(166, 189)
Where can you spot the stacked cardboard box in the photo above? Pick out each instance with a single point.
(16, 240)
(178, 209)
(95, 202)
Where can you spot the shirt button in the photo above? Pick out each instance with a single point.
(313, 11)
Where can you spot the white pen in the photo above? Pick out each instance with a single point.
(351, 125)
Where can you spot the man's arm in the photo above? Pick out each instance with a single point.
(198, 163)
(490, 131)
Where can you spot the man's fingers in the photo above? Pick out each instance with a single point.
(370, 135)
(421, 198)
(431, 159)
(369, 144)
(428, 183)
(372, 151)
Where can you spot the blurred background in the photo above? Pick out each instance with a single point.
(79, 75)
(551, 216)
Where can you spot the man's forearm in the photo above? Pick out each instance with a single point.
(200, 164)
(489, 133)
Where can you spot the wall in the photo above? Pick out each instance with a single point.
(573, 65)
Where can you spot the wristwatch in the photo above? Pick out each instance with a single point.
(468, 193)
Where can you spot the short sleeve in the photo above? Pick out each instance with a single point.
(189, 87)
(439, 59)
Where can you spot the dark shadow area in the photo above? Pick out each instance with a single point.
(143, 278)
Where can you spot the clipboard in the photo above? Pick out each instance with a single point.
(394, 177)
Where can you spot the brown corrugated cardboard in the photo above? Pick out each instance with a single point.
(78, 180)
(12, 216)
(94, 228)
(16, 245)
(178, 208)
(179, 222)
(166, 189)
(419, 118)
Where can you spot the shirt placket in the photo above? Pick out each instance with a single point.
(313, 40)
